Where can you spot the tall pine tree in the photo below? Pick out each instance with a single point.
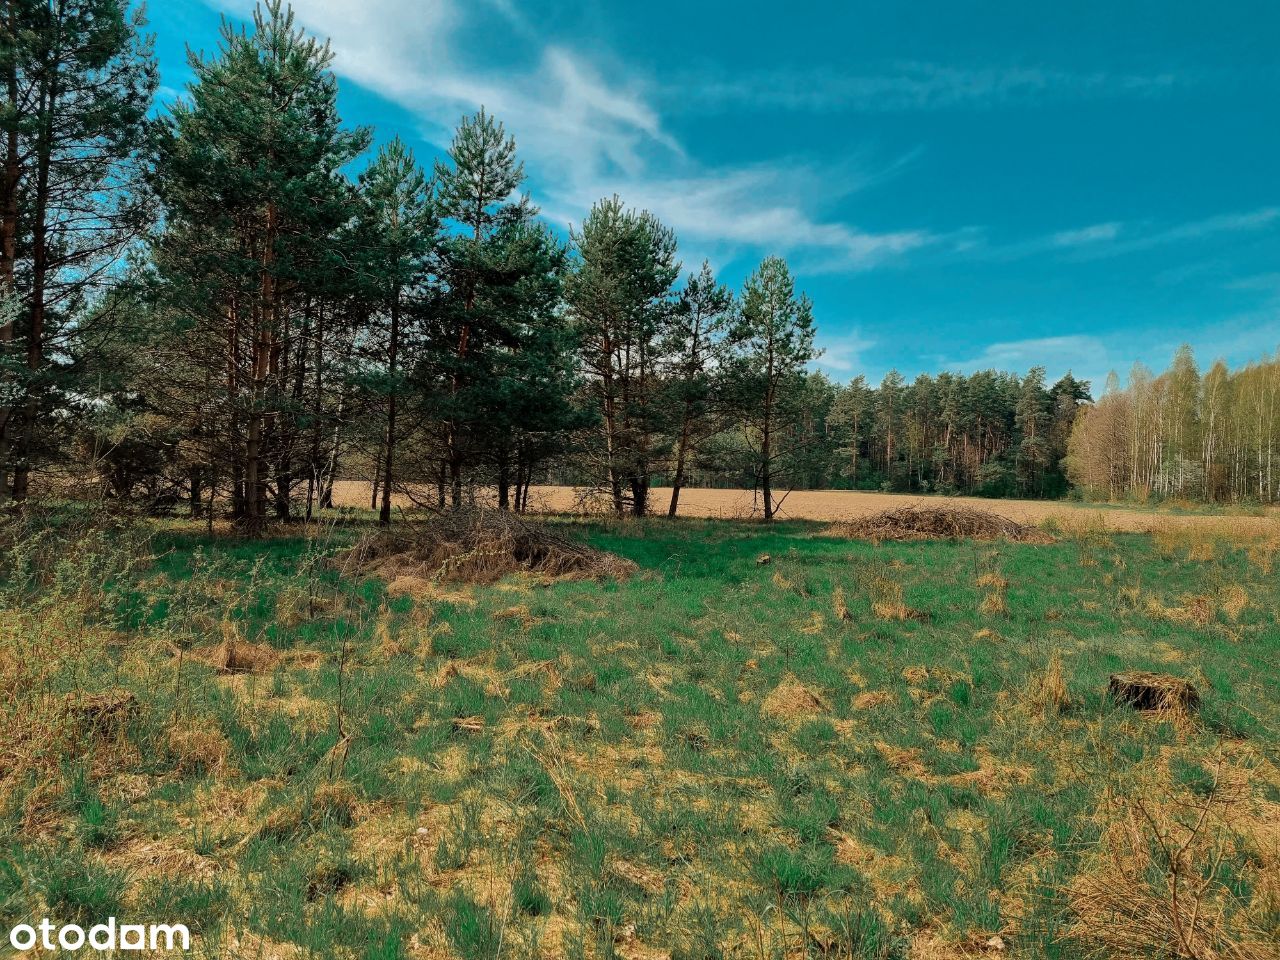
(773, 337)
(78, 79)
(249, 170)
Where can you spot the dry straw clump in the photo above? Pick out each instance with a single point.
(479, 546)
(994, 601)
(840, 605)
(331, 802)
(1047, 693)
(197, 746)
(949, 522)
(1235, 600)
(1163, 881)
(888, 603)
(791, 699)
(237, 655)
(1196, 610)
(1263, 554)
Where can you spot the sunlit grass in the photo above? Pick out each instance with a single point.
(852, 750)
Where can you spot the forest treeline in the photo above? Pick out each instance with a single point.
(204, 308)
(1183, 434)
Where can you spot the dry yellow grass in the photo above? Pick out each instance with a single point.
(827, 505)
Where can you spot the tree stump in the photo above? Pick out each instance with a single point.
(101, 713)
(1153, 691)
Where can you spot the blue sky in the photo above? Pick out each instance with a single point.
(957, 185)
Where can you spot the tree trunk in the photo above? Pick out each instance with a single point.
(504, 486)
(384, 515)
(455, 477)
(194, 493)
(39, 281)
(8, 239)
(639, 495)
(677, 481)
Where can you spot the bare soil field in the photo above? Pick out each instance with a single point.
(850, 504)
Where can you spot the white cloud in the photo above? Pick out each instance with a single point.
(754, 207)
(1057, 354)
(913, 85)
(842, 354)
(1085, 235)
(1116, 238)
(585, 135)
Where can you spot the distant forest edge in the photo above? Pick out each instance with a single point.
(202, 308)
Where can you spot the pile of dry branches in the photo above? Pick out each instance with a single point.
(479, 546)
(937, 523)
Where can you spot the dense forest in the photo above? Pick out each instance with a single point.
(1212, 436)
(225, 305)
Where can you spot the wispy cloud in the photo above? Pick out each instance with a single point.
(913, 85)
(760, 206)
(842, 354)
(1073, 352)
(586, 135)
(1084, 236)
(1117, 238)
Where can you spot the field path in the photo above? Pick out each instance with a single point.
(847, 504)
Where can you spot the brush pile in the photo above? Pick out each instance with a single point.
(479, 546)
(937, 523)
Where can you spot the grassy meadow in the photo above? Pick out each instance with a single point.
(768, 743)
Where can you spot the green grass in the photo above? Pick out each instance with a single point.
(589, 769)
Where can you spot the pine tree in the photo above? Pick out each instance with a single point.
(850, 413)
(773, 338)
(395, 240)
(249, 170)
(621, 299)
(888, 414)
(524, 409)
(1032, 413)
(476, 193)
(695, 345)
(78, 81)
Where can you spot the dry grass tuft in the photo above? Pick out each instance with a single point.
(872, 699)
(389, 642)
(887, 602)
(479, 546)
(331, 802)
(839, 605)
(949, 522)
(791, 699)
(994, 602)
(1235, 600)
(197, 747)
(1263, 554)
(1047, 693)
(100, 715)
(993, 605)
(425, 592)
(1196, 610)
(1157, 885)
(236, 655)
(520, 614)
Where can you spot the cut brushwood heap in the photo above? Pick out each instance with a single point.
(937, 523)
(479, 546)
